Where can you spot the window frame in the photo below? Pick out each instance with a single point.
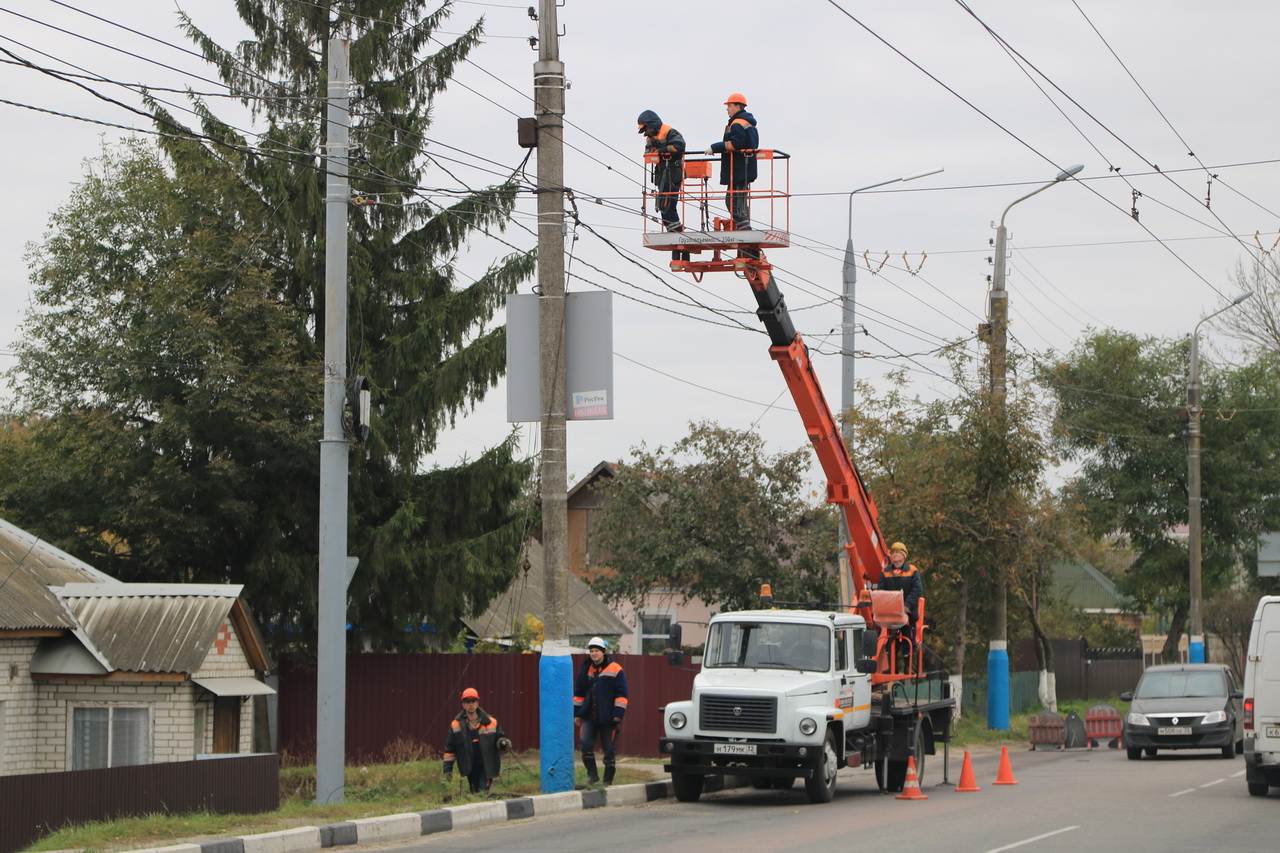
(653, 613)
(110, 708)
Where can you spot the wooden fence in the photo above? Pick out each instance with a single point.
(36, 804)
(1085, 673)
(412, 697)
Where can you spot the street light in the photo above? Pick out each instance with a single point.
(848, 342)
(1196, 646)
(998, 317)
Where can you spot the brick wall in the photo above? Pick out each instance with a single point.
(18, 730)
(172, 717)
(226, 659)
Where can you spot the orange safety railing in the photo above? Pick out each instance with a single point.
(701, 198)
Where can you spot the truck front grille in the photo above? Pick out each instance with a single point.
(738, 714)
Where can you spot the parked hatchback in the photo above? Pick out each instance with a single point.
(1184, 706)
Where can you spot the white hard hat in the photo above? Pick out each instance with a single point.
(597, 643)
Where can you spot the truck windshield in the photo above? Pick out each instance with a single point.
(777, 645)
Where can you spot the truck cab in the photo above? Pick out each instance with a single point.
(779, 697)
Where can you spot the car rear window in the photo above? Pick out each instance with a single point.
(1175, 685)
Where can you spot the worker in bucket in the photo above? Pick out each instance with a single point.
(664, 143)
(904, 577)
(737, 159)
(475, 742)
(599, 703)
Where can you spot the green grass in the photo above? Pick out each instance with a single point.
(374, 789)
(971, 730)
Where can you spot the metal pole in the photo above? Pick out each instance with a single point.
(331, 675)
(1196, 648)
(848, 342)
(555, 667)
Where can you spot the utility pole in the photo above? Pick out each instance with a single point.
(998, 341)
(555, 669)
(335, 567)
(1196, 650)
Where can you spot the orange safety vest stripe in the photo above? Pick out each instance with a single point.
(662, 133)
(621, 700)
(612, 669)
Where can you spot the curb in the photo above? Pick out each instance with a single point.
(397, 827)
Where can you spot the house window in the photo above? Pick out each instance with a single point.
(197, 741)
(654, 629)
(110, 737)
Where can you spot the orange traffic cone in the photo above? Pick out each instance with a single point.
(911, 790)
(968, 783)
(1004, 776)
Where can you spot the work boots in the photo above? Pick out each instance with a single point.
(609, 770)
(589, 762)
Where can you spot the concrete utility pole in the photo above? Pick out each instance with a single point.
(555, 671)
(1196, 645)
(335, 567)
(998, 317)
(848, 343)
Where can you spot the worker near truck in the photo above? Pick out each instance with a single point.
(599, 703)
(668, 145)
(474, 742)
(737, 159)
(902, 576)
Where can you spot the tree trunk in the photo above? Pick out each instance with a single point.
(1048, 687)
(957, 671)
(1169, 654)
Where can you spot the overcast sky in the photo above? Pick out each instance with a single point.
(850, 112)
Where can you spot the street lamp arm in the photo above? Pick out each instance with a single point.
(1233, 303)
(903, 179)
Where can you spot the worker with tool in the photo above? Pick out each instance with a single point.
(664, 150)
(474, 742)
(599, 702)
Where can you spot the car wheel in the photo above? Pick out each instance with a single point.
(821, 786)
(1257, 789)
(1240, 747)
(1229, 751)
(1150, 751)
(1134, 753)
(688, 786)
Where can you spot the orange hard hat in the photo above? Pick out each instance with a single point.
(471, 693)
(736, 98)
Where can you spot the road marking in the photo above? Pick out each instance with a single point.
(1185, 791)
(1211, 784)
(1034, 838)
(1237, 775)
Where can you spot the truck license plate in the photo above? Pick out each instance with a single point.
(1173, 730)
(1273, 731)
(734, 749)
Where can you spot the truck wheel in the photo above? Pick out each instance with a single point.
(762, 783)
(688, 786)
(891, 775)
(1257, 789)
(821, 787)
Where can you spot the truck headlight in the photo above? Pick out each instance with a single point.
(808, 726)
(1214, 717)
(1138, 720)
(677, 720)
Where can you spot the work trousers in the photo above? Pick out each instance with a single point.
(738, 202)
(668, 183)
(477, 778)
(590, 732)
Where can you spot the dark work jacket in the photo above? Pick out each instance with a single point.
(907, 581)
(741, 132)
(669, 144)
(600, 692)
(457, 745)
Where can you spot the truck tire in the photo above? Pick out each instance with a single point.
(891, 775)
(688, 786)
(821, 787)
(762, 783)
(1257, 789)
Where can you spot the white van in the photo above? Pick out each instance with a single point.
(1262, 699)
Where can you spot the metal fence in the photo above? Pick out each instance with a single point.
(36, 804)
(1085, 673)
(412, 697)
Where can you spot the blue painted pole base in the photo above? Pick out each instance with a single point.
(1195, 650)
(555, 717)
(998, 686)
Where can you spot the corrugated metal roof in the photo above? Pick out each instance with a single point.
(587, 614)
(150, 627)
(28, 567)
(1084, 587)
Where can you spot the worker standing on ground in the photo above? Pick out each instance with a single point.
(667, 144)
(737, 159)
(474, 742)
(599, 702)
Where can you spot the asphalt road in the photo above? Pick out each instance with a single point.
(1064, 801)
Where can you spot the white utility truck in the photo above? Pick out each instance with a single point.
(787, 694)
(1262, 699)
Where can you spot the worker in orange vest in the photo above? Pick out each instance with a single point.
(474, 742)
(667, 173)
(737, 159)
(904, 577)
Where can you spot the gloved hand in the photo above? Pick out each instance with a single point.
(709, 150)
(504, 743)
